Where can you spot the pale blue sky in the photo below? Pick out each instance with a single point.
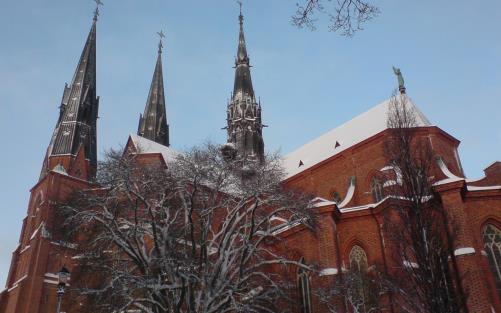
(309, 82)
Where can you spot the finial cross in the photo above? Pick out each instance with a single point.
(240, 4)
(160, 44)
(96, 12)
(240, 17)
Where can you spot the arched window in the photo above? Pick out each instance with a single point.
(358, 288)
(492, 245)
(377, 189)
(358, 259)
(304, 288)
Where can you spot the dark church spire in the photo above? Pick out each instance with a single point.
(244, 112)
(153, 123)
(75, 130)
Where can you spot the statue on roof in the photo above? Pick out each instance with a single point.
(400, 78)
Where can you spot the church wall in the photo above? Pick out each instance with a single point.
(471, 266)
(41, 253)
(480, 211)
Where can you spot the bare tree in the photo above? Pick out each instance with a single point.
(346, 16)
(419, 230)
(190, 237)
(361, 290)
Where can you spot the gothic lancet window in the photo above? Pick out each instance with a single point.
(358, 259)
(492, 245)
(304, 289)
(377, 189)
(358, 291)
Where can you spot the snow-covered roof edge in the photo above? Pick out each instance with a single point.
(352, 132)
(146, 146)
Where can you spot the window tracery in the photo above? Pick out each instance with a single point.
(358, 259)
(492, 245)
(304, 288)
(377, 189)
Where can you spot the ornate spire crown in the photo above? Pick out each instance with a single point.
(244, 112)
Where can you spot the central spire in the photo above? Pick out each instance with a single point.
(153, 123)
(243, 81)
(244, 112)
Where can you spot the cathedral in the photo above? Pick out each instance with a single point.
(341, 168)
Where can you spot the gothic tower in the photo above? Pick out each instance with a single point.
(75, 131)
(244, 124)
(153, 123)
(70, 164)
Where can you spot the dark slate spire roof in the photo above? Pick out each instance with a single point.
(76, 126)
(244, 124)
(243, 81)
(153, 123)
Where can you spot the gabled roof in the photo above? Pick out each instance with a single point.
(345, 136)
(146, 146)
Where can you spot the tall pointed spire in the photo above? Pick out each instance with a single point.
(77, 123)
(244, 124)
(243, 81)
(153, 123)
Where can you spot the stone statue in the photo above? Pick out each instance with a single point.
(399, 77)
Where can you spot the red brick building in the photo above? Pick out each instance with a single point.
(340, 167)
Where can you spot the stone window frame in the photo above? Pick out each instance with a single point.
(377, 189)
(304, 288)
(358, 256)
(359, 264)
(491, 232)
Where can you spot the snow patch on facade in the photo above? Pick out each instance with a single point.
(349, 193)
(463, 251)
(450, 176)
(478, 188)
(328, 271)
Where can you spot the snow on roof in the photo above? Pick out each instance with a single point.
(145, 146)
(345, 136)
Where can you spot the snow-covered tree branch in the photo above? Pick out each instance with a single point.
(192, 236)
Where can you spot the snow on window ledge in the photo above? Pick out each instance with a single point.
(464, 251)
(328, 271)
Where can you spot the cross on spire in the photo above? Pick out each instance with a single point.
(153, 123)
(240, 17)
(160, 43)
(96, 12)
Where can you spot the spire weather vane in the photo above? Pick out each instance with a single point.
(96, 12)
(160, 44)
